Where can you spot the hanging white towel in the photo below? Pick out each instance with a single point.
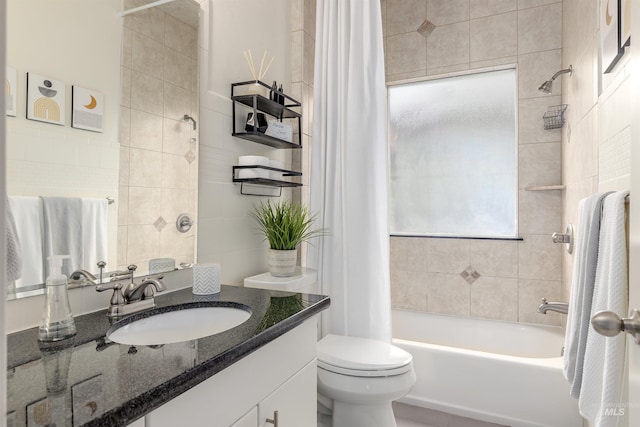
(63, 231)
(27, 214)
(94, 233)
(604, 360)
(582, 284)
(14, 248)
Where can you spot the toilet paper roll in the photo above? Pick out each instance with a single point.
(206, 278)
(160, 265)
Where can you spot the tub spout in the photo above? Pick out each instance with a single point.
(560, 307)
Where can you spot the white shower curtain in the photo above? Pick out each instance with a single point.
(349, 169)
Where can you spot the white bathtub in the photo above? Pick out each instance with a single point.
(501, 372)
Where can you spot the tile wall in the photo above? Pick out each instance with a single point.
(159, 151)
(596, 139)
(226, 232)
(494, 279)
(303, 33)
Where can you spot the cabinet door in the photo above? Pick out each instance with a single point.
(138, 423)
(250, 419)
(295, 401)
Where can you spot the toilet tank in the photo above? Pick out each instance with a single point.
(303, 280)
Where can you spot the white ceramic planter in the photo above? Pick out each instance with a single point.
(282, 263)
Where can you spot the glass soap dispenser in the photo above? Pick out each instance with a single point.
(57, 320)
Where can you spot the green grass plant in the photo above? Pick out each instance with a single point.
(285, 224)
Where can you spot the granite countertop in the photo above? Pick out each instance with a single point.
(89, 380)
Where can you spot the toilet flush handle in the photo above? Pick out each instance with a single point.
(274, 421)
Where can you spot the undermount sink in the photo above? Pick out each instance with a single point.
(178, 324)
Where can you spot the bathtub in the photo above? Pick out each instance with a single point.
(500, 372)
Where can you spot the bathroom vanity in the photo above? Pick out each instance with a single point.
(238, 378)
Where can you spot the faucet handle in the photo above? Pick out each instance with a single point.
(101, 265)
(132, 268)
(117, 298)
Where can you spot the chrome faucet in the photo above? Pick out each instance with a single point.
(133, 297)
(82, 275)
(559, 307)
(135, 292)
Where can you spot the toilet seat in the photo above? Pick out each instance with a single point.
(362, 357)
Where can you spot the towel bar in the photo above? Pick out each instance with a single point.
(609, 324)
(566, 238)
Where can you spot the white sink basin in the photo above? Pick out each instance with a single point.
(179, 325)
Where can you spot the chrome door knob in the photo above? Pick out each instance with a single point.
(609, 324)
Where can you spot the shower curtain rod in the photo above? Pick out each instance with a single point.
(146, 6)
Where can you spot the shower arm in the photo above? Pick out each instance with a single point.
(566, 70)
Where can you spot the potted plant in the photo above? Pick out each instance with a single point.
(284, 225)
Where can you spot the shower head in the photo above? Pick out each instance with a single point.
(547, 86)
(188, 118)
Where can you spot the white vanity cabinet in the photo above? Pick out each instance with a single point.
(279, 376)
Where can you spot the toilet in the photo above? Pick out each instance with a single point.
(358, 378)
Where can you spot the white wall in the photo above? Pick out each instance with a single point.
(3, 255)
(226, 233)
(596, 140)
(77, 42)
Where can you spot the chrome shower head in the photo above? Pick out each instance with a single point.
(547, 86)
(188, 118)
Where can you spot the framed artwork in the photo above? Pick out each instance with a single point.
(11, 89)
(45, 99)
(610, 49)
(39, 413)
(12, 421)
(87, 109)
(625, 23)
(87, 400)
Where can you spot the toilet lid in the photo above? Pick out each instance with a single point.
(342, 354)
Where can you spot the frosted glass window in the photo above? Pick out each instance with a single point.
(453, 156)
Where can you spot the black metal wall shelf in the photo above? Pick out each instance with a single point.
(263, 139)
(265, 182)
(261, 104)
(250, 96)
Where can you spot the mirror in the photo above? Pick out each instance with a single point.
(142, 148)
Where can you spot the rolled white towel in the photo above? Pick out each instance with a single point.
(14, 249)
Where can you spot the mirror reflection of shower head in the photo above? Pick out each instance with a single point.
(547, 86)
(188, 118)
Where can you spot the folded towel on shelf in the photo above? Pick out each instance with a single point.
(582, 285)
(27, 215)
(604, 360)
(94, 233)
(63, 231)
(14, 248)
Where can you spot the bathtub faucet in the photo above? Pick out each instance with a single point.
(560, 307)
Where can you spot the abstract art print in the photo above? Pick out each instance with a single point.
(610, 47)
(625, 23)
(11, 87)
(45, 99)
(39, 413)
(87, 398)
(87, 110)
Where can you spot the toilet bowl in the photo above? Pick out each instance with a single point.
(358, 378)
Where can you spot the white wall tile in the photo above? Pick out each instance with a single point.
(540, 28)
(405, 16)
(448, 45)
(481, 8)
(447, 12)
(493, 36)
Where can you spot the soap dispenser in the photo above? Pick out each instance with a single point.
(57, 320)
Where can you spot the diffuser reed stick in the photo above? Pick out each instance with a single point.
(252, 68)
